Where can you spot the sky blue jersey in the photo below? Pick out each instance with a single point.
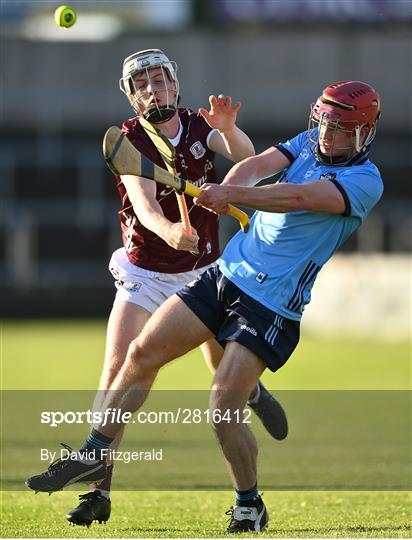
(277, 261)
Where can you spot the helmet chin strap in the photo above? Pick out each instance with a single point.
(342, 160)
(159, 115)
(330, 160)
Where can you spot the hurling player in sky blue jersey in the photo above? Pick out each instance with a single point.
(327, 189)
(278, 263)
(253, 302)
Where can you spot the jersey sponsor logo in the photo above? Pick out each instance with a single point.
(198, 150)
(203, 179)
(182, 162)
(328, 176)
(260, 278)
(166, 192)
(249, 329)
(200, 181)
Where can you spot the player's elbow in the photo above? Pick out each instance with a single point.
(250, 151)
(319, 201)
(246, 153)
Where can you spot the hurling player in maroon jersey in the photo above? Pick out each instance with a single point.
(158, 258)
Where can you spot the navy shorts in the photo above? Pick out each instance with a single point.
(232, 315)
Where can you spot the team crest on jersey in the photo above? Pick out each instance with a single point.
(198, 150)
(328, 176)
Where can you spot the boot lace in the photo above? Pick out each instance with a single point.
(59, 463)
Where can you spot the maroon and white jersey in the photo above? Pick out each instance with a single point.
(194, 162)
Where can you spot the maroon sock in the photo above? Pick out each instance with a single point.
(105, 484)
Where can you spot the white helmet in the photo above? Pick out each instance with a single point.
(143, 61)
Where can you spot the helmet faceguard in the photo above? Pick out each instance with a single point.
(350, 107)
(146, 102)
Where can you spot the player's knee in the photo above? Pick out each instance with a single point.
(140, 358)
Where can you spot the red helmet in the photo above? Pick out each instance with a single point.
(352, 106)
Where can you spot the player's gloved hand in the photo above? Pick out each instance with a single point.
(214, 198)
(222, 114)
(180, 239)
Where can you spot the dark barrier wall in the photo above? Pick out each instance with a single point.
(58, 224)
(276, 73)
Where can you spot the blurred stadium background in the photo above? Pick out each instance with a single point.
(60, 93)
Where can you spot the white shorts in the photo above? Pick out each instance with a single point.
(146, 288)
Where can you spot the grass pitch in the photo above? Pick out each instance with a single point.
(201, 515)
(68, 355)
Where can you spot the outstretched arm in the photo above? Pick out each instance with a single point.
(315, 196)
(228, 141)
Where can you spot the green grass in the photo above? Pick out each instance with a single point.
(199, 514)
(43, 355)
(68, 355)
